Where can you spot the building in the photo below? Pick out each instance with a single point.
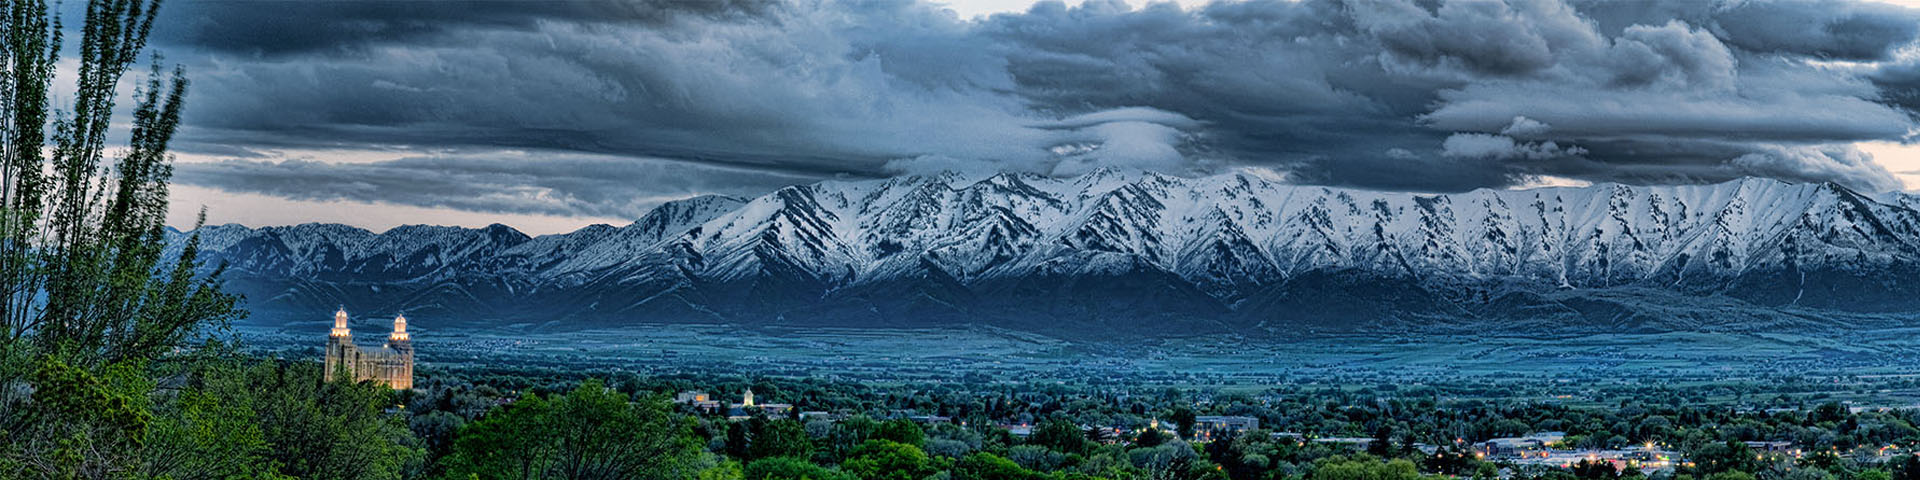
(698, 400)
(1209, 427)
(391, 365)
(1535, 445)
(747, 408)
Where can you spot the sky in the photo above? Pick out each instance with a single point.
(549, 116)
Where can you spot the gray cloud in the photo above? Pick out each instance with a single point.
(1391, 94)
(549, 183)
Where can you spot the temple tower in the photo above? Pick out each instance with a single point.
(401, 374)
(341, 356)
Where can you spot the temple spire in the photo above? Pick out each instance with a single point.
(340, 324)
(400, 329)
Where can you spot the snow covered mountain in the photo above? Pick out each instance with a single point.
(1119, 251)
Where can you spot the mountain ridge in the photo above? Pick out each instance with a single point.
(1135, 252)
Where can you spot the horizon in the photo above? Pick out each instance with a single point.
(978, 177)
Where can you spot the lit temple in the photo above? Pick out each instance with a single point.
(391, 365)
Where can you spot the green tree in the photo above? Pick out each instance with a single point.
(89, 293)
(1723, 456)
(780, 438)
(987, 466)
(901, 430)
(508, 443)
(323, 430)
(1061, 435)
(204, 436)
(81, 425)
(592, 432)
(888, 460)
(1365, 469)
(1183, 420)
(788, 468)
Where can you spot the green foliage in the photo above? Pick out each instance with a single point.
(1366, 468)
(780, 438)
(987, 466)
(900, 430)
(88, 292)
(722, 470)
(591, 432)
(785, 468)
(1183, 419)
(79, 425)
(888, 460)
(320, 430)
(205, 436)
(1061, 435)
(1722, 457)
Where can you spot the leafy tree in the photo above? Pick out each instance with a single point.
(1591, 470)
(901, 430)
(204, 436)
(1061, 435)
(592, 432)
(1183, 420)
(888, 460)
(79, 425)
(89, 293)
(1150, 438)
(511, 442)
(780, 438)
(323, 430)
(787, 468)
(1366, 469)
(987, 466)
(1724, 456)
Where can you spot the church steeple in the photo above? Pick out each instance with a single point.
(340, 324)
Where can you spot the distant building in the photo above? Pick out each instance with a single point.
(929, 419)
(1771, 447)
(746, 408)
(391, 365)
(692, 397)
(698, 400)
(1520, 447)
(1209, 427)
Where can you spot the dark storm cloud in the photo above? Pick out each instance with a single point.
(508, 182)
(1393, 94)
(272, 28)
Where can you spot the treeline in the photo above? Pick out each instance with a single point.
(874, 439)
(208, 413)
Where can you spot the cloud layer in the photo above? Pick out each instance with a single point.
(591, 108)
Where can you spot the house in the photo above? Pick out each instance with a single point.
(1209, 427)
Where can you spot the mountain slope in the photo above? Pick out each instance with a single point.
(1134, 252)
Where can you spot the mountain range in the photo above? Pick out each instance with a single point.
(1116, 253)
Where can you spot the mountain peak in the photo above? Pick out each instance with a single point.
(1117, 244)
